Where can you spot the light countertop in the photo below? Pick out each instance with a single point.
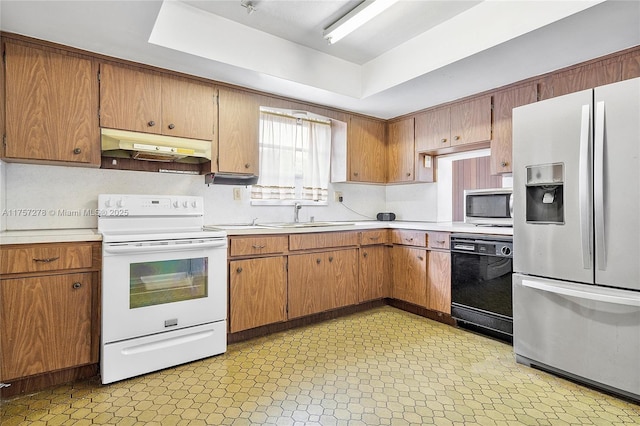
(33, 236)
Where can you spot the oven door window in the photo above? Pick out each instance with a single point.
(167, 281)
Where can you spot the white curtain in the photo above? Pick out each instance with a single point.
(295, 159)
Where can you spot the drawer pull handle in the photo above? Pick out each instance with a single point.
(258, 247)
(46, 259)
(76, 285)
(239, 270)
(441, 241)
(374, 238)
(409, 239)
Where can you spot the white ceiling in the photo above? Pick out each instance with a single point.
(416, 54)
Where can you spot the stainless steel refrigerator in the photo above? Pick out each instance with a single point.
(576, 282)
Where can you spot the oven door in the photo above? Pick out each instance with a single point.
(155, 286)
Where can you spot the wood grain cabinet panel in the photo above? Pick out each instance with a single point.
(16, 259)
(322, 240)
(366, 150)
(372, 283)
(471, 121)
(187, 109)
(51, 106)
(433, 130)
(438, 240)
(46, 324)
(322, 281)
(409, 274)
(255, 246)
(257, 292)
(374, 236)
(631, 67)
(409, 238)
(439, 281)
(503, 104)
(238, 132)
(401, 151)
(580, 78)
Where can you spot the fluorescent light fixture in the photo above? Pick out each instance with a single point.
(353, 20)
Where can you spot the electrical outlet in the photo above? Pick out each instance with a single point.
(237, 194)
(337, 196)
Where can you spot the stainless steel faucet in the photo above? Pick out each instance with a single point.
(297, 207)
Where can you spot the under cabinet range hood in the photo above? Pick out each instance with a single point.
(150, 147)
(230, 179)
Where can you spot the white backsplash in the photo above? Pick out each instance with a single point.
(64, 197)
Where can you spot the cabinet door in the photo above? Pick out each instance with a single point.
(46, 324)
(503, 104)
(51, 106)
(307, 284)
(580, 78)
(439, 281)
(341, 278)
(409, 269)
(433, 129)
(238, 134)
(471, 121)
(372, 283)
(130, 99)
(257, 293)
(366, 150)
(401, 151)
(187, 109)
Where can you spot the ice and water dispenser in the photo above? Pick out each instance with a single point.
(545, 193)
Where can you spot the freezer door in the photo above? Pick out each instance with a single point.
(587, 331)
(617, 184)
(555, 131)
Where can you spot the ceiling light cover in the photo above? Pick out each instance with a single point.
(357, 17)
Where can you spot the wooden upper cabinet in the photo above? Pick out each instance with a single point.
(51, 106)
(471, 121)
(433, 130)
(187, 109)
(503, 104)
(401, 151)
(631, 67)
(145, 101)
(366, 150)
(580, 78)
(238, 132)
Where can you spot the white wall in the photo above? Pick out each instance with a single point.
(58, 190)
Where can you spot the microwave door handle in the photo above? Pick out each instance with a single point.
(598, 183)
(118, 249)
(584, 186)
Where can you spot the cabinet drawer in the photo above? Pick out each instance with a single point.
(409, 238)
(322, 240)
(45, 257)
(258, 245)
(375, 236)
(438, 240)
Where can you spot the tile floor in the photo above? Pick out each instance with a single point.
(379, 367)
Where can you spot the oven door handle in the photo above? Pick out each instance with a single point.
(159, 247)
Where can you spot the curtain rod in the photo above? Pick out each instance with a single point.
(284, 114)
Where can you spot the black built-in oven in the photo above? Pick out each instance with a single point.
(481, 269)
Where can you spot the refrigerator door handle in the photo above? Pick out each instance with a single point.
(589, 295)
(584, 187)
(598, 183)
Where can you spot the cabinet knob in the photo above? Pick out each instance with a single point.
(247, 165)
(420, 258)
(409, 239)
(355, 173)
(365, 254)
(239, 269)
(504, 164)
(318, 261)
(172, 126)
(77, 151)
(443, 140)
(330, 258)
(408, 174)
(76, 285)
(457, 138)
(151, 123)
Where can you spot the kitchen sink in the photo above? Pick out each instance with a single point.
(302, 224)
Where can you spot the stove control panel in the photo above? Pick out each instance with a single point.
(149, 205)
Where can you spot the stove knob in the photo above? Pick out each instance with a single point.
(120, 203)
(506, 250)
(195, 204)
(176, 204)
(185, 204)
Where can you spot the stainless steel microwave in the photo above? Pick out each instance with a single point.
(489, 207)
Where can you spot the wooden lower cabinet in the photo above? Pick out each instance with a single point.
(372, 283)
(439, 281)
(258, 290)
(322, 281)
(409, 274)
(47, 323)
